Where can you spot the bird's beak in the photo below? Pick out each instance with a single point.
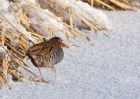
(64, 45)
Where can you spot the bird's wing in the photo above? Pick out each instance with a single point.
(40, 49)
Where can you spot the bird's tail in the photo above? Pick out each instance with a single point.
(29, 54)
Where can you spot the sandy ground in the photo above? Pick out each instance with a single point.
(110, 69)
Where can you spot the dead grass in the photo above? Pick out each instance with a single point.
(112, 4)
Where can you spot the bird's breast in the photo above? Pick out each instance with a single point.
(56, 56)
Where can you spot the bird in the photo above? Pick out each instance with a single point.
(47, 54)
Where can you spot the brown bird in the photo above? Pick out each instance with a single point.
(47, 54)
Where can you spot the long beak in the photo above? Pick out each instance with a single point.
(64, 45)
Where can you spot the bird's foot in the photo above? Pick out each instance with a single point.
(43, 81)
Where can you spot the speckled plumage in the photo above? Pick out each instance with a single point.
(55, 56)
(47, 53)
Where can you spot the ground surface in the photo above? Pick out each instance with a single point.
(108, 70)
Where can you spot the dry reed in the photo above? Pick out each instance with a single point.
(112, 4)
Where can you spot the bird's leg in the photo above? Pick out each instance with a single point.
(34, 62)
(53, 71)
(42, 77)
(52, 68)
